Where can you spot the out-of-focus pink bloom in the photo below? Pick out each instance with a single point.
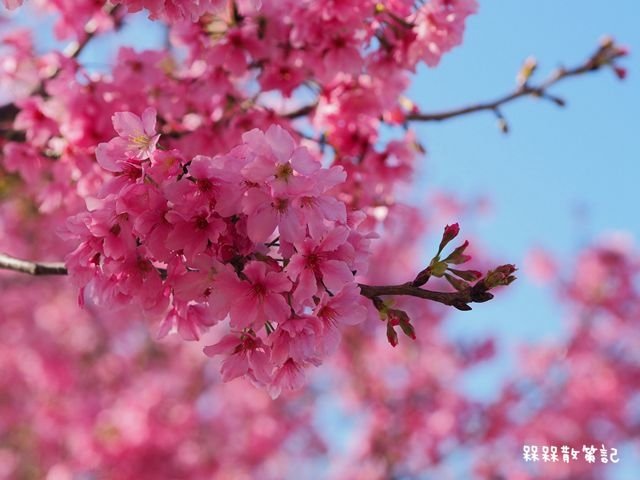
(439, 28)
(540, 265)
(173, 10)
(12, 4)
(289, 376)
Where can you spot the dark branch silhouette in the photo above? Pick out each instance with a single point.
(604, 56)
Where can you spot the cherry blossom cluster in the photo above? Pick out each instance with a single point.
(87, 392)
(405, 33)
(355, 56)
(257, 234)
(578, 390)
(175, 9)
(184, 235)
(231, 198)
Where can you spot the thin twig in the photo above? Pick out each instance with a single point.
(539, 91)
(8, 262)
(455, 299)
(603, 56)
(9, 111)
(74, 49)
(300, 112)
(459, 300)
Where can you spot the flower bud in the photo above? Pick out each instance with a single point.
(468, 275)
(422, 278)
(503, 275)
(526, 71)
(392, 335)
(459, 285)
(408, 330)
(450, 232)
(457, 256)
(620, 72)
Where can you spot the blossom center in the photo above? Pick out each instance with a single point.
(140, 141)
(284, 171)
(201, 222)
(259, 290)
(328, 314)
(281, 204)
(204, 185)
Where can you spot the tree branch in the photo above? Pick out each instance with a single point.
(459, 300)
(9, 111)
(605, 55)
(74, 49)
(300, 112)
(8, 262)
(539, 91)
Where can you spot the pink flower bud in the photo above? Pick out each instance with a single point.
(408, 330)
(450, 232)
(422, 277)
(456, 283)
(457, 256)
(392, 335)
(468, 275)
(620, 72)
(503, 275)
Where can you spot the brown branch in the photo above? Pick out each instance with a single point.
(494, 106)
(8, 262)
(8, 112)
(300, 112)
(605, 55)
(74, 49)
(459, 300)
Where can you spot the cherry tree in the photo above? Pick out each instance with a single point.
(238, 195)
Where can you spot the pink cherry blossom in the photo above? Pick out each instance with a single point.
(289, 376)
(296, 338)
(259, 298)
(343, 308)
(243, 186)
(136, 141)
(247, 355)
(317, 265)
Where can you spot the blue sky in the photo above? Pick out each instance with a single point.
(554, 160)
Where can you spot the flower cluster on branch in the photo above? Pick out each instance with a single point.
(217, 199)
